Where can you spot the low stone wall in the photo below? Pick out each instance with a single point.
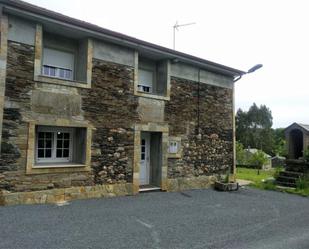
(59, 195)
(53, 196)
(179, 184)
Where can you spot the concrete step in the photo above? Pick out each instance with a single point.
(287, 179)
(149, 188)
(286, 184)
(291, 174)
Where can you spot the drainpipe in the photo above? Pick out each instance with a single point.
(199, 135)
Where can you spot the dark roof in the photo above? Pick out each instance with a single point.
(303, 127)
(306, 127)
(69, 20)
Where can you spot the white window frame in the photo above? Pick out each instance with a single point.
(57, 72)
(57, 68)
(143, 87)
(53, 158)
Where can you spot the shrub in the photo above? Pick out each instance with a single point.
(302, 183)
(240, 154)
(277, 171)
(259, 159)
(269, 185)
(306, 154)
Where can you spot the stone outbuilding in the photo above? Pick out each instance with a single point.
(86, 112)
(297, 137)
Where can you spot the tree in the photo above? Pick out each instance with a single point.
(259, 159)
(240, 154)
(279, 142)
(253, 128)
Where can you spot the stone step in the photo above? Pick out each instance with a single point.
(297, 169)
(286, 184)
(287, 179)
(291, 174)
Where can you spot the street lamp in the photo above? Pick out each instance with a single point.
(251, 70)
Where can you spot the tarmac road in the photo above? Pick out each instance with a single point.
(194, 219)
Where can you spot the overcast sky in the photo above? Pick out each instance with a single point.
(238, 33)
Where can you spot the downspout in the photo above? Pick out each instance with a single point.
(199, 135)
(232, 170)
(3, 61)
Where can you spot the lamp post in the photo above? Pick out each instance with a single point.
(251, 70)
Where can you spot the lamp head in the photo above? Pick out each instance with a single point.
(256, 67)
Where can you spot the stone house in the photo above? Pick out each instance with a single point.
(297, 138)
(87, 112)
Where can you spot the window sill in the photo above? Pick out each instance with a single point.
(151, 95)
(56, 165)
(50, 168)
(57, 81)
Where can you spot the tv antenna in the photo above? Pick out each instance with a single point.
(175, 27)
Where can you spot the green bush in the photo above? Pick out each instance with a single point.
(277, 171)
(269, 185)
(240, 154)
(302, 183)
(306, 154)
(259, 159)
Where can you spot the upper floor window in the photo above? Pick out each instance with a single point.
(153, 79)
(60, 59)
(145, 80)
(58, 64)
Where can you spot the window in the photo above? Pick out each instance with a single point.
(58, 64)
(54, 144)
(173, 147)
(153, 80)
(145, 81)
(61, 59)
(60, 145)
(143, 149)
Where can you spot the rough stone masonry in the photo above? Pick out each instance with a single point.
(199, 113)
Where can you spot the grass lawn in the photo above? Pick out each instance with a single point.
(254, 175)
(257, 178)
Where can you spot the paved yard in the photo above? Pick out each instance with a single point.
(195, 219)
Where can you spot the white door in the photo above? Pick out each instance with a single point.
(145, 159)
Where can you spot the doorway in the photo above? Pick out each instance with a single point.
(296, 144)
(145, 159)
(150, 160)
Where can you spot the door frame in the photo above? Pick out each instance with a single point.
(150, 127)
(147, 137)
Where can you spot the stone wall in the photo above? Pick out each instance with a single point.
(112, 109)
(17, 100)
(200, 108)
(109, 106)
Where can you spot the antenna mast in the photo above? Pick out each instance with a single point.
(175, 27)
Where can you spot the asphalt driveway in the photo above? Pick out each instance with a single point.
(194, 219)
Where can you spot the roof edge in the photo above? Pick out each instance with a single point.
(76, 22)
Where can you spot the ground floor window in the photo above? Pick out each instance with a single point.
(60, 145)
